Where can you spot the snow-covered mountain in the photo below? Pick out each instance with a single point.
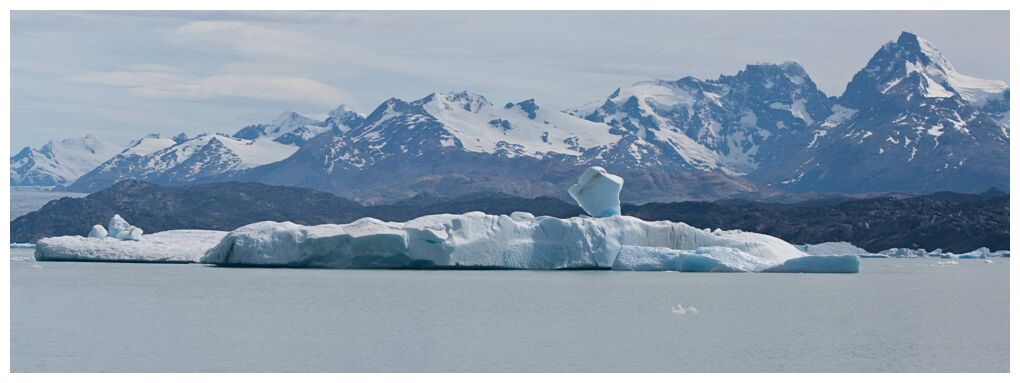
(733, 124)
(172, 162)
(908, 121)
(293, 128)
(455, 143)
(212, 157)
(59, 163)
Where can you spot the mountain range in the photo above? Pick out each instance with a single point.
(907, 122)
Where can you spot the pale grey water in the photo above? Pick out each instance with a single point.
(26, 199)
(897, 315)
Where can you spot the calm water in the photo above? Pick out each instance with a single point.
(25, 199)
(897, 315)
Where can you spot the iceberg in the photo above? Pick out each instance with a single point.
(981, 253)
(98, 231)
(119, 229)
(173, 246)
(726, 259)
(598, 192)
(905, 253)
(838, 248)
(819, 264)
(477, 240)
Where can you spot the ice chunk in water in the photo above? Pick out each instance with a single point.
(120, 229)
(117, 225)
(819, 264)
(98, 231)
(598, 192)
(981, 253)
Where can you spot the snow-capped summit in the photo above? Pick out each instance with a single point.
(165, 161)
(908, 121)
(291, 128)
(916, 64)
(59, 162)
(343, 119)
(147, 145)
(733, 124)
(213, 157)
(468, 121)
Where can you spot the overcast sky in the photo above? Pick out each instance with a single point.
(120, 75)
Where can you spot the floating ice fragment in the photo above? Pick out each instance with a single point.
(680, 309)
(981, 253)
(117, 225)
(98, 231)
(905, 253)
(728, 259)
(598, 192)
(118, 229)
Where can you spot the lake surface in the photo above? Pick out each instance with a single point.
(26, 199)
(916, 315)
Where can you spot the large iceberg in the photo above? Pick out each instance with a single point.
(173, 246)
(517, 241)
(598, 192)
(123, 242)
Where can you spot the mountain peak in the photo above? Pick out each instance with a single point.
(291, 119)
(469, 101)
(341, 110)
(909, 57)
(907, 38)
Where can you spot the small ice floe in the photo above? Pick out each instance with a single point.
(945, 263)
(989, 261)
(36, 266)
(680, 309)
